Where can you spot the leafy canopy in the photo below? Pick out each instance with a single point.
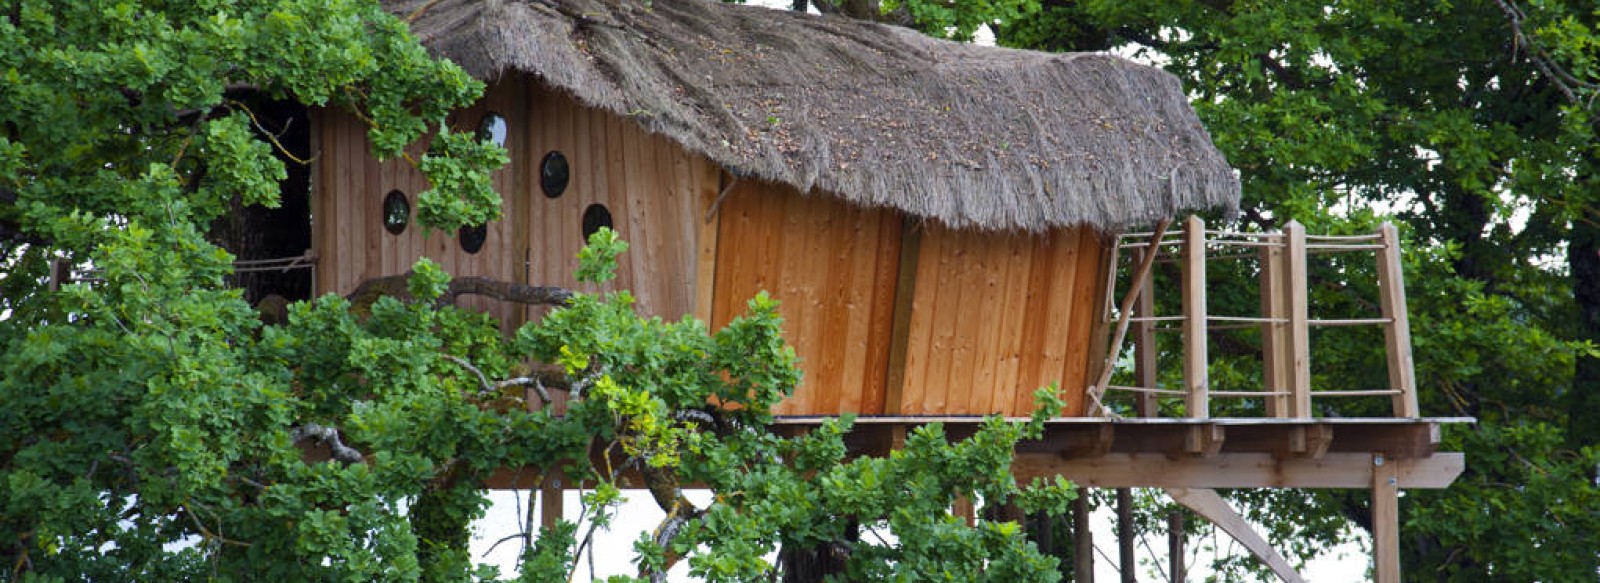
(155, 429)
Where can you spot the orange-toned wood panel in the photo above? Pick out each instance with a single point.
(995, 316)
(350, 186)
(832, 266)
(653, 189)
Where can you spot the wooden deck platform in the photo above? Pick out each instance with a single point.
(1200, 453)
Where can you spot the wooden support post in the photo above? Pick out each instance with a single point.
(1385, 520)
(1175, 554)
(1126, 564)
(1144, 345)
(1276, 354)
(1197, 399)
(1397, 333)
(1294, 235)
(1201, 440)
(964, 508)
(1309, 442)
(550, 495)
(1082, 539)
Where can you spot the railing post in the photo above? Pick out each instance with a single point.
(1276, 355)
(1197, 398)
(1144, 344)
(1396, 333)
(1294, 236)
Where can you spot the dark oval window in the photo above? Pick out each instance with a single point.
(554, 174)
(594, 217)
(396, 212)
(472, 237)
(493, 127)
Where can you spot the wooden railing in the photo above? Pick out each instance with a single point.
(1285, 319)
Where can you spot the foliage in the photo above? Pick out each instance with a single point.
(155, 429)
(1472, 125)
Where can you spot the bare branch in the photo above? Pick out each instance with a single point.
(1564, 81)
(483, 382)
(328, 436)
(537, 382)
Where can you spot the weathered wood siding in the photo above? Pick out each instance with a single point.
(832, 265)
(655, 191)
(995, 316)
(349, 187)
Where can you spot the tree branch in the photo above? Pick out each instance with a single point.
(328, 436)
(1564, 81)
(486, 388)
(397, 286)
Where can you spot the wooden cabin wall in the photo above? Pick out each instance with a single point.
(971, 323)
(656, 192)
(996, 316)
(350, 186)
(832, 266)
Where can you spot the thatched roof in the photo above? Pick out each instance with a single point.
(878, 115)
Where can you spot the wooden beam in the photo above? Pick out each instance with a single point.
(1277, 356)
(1309, 441)
(1082, 539)
(1100, 333)
(1144, 345)
(1386, 519)
(964, 508)
(1299, 331)
(1237, 470)
(1196, 400)
(1397, 333)
(705, 272)
(1204, 440)
(550, 497)
(905, 288)
(1209, 505)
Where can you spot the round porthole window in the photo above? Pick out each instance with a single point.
(472, 237)
(396, 212)
(493, 128)
(554, 174)
(594, 217)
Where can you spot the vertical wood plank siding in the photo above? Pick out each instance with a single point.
(995, 316)
(349, 189)
(992, 316)
(832, 265)
(654, 190)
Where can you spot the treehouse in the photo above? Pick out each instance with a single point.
(942, 223)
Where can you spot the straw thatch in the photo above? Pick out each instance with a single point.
(878, 115)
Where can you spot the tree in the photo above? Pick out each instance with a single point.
(155, 429)
(1473, 124)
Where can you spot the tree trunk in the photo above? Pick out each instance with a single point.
(1583, 400)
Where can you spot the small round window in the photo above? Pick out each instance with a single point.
(472, 237)
(554, 174)
(396, 212)
(594, 217)
(493, 128)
